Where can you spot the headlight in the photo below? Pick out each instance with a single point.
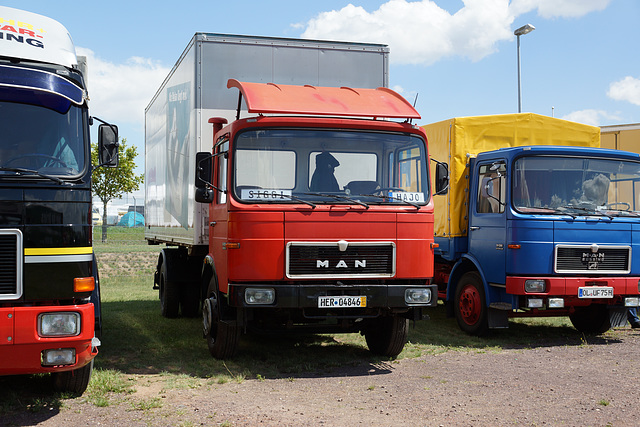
(259, 296)
(59, 356)
(536, 286)
(631, 301)
(417, 296)
(61, 324)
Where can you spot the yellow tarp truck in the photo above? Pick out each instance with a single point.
(538, 221)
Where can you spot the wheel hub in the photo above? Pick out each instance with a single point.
(470, 305)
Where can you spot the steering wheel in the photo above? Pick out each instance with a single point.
(37, 155)
(627, 206)
(381, 190)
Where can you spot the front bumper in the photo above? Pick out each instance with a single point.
(379, 296)
(21, 347)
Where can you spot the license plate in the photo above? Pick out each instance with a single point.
(342, 302)
(595, 292)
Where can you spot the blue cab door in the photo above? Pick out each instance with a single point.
(487, 221)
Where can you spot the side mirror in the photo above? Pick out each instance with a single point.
(442, 178)
(204, 191)
(203, 170)
(204, 195)
(108, 145)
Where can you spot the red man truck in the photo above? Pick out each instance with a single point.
(312, 212)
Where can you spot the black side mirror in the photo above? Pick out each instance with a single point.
(108, 145)
(204, 187)
(203, 170)
(442, 178)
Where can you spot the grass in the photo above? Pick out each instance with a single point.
(137, 340)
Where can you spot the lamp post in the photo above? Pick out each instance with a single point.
(525, 29)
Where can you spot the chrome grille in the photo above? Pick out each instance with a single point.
(326, 260)
(10, 264)
(592, 259)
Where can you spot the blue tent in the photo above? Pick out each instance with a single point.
(131, 219)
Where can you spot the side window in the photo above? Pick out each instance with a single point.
(222, 150)
(491, 188)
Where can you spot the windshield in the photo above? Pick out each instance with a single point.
(35, 138)
(576, 186)
(330, 166)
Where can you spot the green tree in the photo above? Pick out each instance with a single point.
(112, 183)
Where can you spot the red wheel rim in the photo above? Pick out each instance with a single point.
(470, 305)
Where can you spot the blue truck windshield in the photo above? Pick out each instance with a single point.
(41, 139)
(330, 166)
(576, 186)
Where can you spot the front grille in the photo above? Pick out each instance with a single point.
(10, 264)
(593, 259)
(326, 260)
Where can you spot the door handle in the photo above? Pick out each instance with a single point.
(212, 223)
(474, 228)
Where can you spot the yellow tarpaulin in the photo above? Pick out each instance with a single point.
(453, 141)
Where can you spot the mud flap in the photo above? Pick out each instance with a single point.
(618, 316)
(498, 319)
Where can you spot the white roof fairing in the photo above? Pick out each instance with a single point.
(34, 37)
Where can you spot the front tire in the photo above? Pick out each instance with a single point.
(593, 319)
(387, 335)
(221, 332)
(470, 305)
(75, 381)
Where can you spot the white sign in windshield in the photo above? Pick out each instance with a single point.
(259, 194)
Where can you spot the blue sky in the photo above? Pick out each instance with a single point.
(458, 56)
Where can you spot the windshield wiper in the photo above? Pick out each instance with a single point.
(592, 211)
(339, 197)
(415, 205)
(27, 172)
(297, 199)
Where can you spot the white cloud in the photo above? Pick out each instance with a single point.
(627, 89)
(421, 32)
(558, 8)
(119, 93)
(591, 117)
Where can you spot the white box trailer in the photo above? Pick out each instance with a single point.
(176, 119)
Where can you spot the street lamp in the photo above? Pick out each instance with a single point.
(525, 29)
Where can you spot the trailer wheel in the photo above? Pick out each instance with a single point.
(387, 335)
(75, 381)
(592, 320)
(469, 305)
(222, 334)
(169, 294)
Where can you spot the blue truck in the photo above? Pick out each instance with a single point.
(538, 220)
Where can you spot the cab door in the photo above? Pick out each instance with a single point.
(487, 221)
(219, 214)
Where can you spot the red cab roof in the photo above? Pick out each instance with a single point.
(344, 101)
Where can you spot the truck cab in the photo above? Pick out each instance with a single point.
(551, 231)
(50, 316)
(320, 224)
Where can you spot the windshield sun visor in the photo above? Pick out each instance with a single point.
(39, 88)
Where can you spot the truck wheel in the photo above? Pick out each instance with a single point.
(469, 305)
(387, 335)
(592, 320)
(169, 294)
(75, 381)
(222, 335)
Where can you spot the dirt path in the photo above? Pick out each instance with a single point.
(594, 384)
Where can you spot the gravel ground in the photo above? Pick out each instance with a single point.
(592, 384)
